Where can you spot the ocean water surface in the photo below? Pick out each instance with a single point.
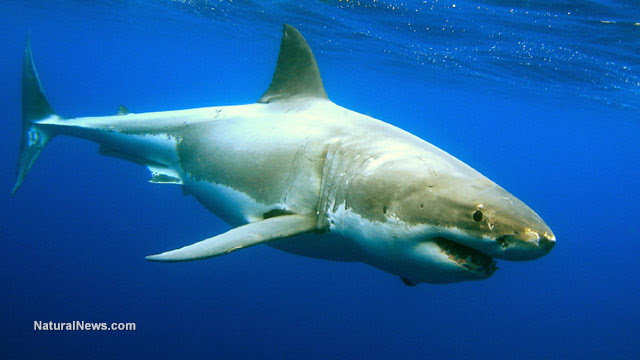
(543, 97)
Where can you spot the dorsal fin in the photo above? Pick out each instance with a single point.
(297, 73)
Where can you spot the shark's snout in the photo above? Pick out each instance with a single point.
(547, 242)
(524, 246)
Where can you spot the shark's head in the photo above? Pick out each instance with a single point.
(448, 221)
(498, 224)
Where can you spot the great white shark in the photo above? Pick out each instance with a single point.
(297, 172)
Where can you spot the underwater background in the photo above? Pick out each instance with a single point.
(542, 97)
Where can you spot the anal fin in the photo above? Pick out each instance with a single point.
(160, 174)
(163, 175)
(255, 233)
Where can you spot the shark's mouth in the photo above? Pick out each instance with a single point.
(471, 259)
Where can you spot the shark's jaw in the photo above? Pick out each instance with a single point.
(469, 258)
(417, 253)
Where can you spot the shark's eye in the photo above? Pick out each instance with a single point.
(477, 216)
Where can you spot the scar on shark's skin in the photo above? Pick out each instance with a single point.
(297, 172)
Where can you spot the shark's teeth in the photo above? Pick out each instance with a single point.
(467, 257)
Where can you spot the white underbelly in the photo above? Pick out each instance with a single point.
(237, 208)
(232, 206)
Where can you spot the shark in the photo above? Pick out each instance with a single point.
(302, 174)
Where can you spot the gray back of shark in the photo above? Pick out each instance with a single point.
(302, 174)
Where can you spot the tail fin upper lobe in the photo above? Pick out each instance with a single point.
(35, 107)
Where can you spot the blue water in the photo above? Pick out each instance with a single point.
(543, 97)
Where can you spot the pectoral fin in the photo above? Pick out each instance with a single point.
(241, 237)
(408, 282)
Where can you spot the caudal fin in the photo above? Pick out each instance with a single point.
(35, 107)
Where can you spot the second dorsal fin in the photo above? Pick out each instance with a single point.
(122, 110)
(297, 74)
